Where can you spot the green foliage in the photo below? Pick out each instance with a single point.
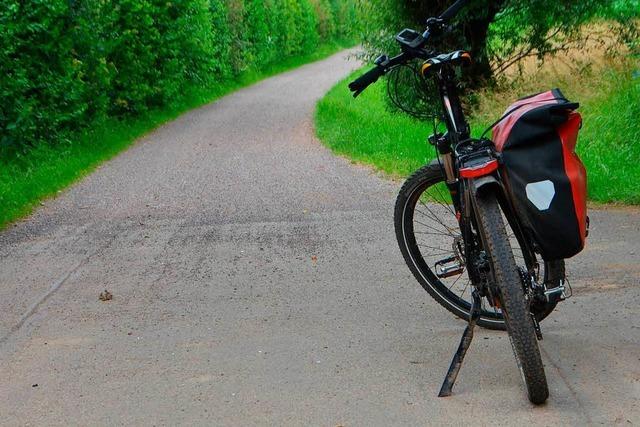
(72, 64)
(544, 27)
(222, 37)
(621, 9)
(40, 87)
(396, 144)
(609, 145)
(499, 33)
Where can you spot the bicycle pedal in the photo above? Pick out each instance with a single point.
(559, 293)
(448, 267)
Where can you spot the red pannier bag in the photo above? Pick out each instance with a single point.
(545, 178)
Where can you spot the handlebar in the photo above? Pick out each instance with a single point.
(367, 79)
(453, 10)
(383, 66)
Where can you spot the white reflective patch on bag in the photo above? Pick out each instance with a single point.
(541, 194)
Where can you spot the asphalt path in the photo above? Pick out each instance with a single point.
(256, 281)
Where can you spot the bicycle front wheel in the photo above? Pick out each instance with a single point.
(428, 233)
(511, 296)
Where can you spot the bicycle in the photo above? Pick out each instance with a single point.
(455, 219)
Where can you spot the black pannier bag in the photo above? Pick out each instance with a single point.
(545, 179)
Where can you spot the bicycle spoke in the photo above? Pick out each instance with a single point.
(431, 215)
(448, 230)
(448, 233)
(456, 281)
(438, 254)
(435, 217)
(432, 234)
(465, 288)
(445, 204)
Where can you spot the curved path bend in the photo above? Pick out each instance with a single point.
(256, 280)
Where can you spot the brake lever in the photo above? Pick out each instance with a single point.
(437, 27)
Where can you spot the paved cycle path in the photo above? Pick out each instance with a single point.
(256, 280)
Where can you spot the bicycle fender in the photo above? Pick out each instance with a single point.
(485, 183)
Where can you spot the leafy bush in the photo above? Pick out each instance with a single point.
(68, 64)
(40, 87)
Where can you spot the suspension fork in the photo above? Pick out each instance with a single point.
(466, 226)
(458, 194)
(456, 124)
(458, 129)
(448, 162)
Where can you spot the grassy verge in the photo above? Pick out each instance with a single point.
(366, 131)
(45, 170)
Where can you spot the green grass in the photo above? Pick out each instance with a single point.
(47, 169)
(365, 131)
(609, 144)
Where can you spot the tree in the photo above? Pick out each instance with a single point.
(498, 33)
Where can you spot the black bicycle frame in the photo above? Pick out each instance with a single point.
(460, 189)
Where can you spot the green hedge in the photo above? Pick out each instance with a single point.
(67, 64)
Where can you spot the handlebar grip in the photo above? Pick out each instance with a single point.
(453, 10)
(364, 81)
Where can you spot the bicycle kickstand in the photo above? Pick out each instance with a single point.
(465, 342)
